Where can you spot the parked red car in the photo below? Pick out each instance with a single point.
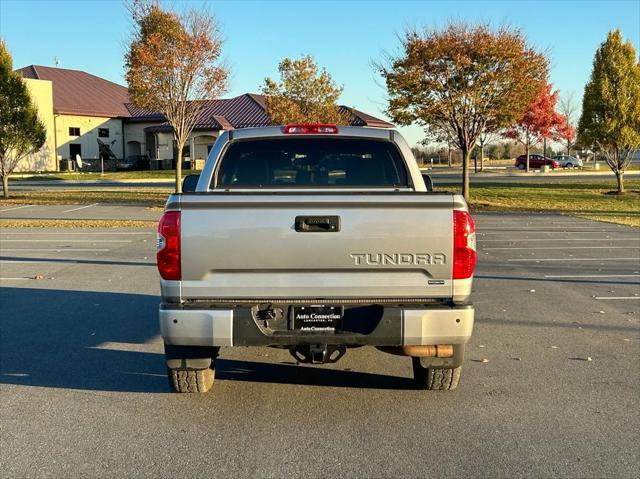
(536, 161)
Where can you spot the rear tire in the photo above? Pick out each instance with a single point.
(435, 379)
(191, 380)
(521, 166)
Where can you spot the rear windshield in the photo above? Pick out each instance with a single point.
(311, 162)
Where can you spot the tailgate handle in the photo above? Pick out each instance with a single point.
(317, 224)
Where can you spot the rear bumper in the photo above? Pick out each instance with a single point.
(395, 326)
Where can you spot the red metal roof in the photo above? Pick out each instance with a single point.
(79, 93)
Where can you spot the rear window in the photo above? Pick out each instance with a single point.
(311, 162)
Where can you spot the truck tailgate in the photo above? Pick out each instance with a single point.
(245, 246)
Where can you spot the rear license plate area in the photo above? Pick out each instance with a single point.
(316, 318)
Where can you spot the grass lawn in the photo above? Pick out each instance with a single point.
(584, 199)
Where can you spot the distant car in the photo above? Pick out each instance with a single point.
(134, 162)
(536, 161)
(567, 161)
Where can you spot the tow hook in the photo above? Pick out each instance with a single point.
(317, 353)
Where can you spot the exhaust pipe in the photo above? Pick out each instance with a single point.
(435, 351)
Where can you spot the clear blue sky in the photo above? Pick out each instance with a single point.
(345, 37)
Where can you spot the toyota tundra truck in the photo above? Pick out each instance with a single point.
(315, 239)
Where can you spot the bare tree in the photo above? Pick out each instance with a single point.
(568, 107)
(488, 135)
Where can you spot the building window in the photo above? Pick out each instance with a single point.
(74, 131)
(103, 132)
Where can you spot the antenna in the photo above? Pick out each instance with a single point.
(56, 60)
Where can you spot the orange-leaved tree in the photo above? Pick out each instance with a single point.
(463, 78)
(173, 66)
(304, 94)
(539, 121)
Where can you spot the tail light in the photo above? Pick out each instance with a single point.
(317, 128)
(168, 255)
(464, 245)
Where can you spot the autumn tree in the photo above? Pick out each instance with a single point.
(464, 77)
(21, 131)
(304, 94)
(173, 66)
(568, 108)
(611, 105)
(539, 121)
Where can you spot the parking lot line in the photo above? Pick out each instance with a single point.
(520, 240)
(92, 240)
(617, 297)
(76, 233)
(53, 249)
(535, 228)
(561, 247)
(14, 279)
(16, 208)
(572, 259)
(15, 261)
(556, 231)
(592, 276)
(80, 208)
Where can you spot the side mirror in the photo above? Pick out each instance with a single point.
(427, 182)
(189, 183)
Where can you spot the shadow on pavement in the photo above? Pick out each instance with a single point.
(234, 370)
(102, 341)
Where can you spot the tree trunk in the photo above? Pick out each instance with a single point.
(179, 168)
(449, 156)
(5, 186)
(526, 149)
(620, 178)
(466, 157)
(482, 157)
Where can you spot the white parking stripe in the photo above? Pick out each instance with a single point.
(573, 259)
(9, 261)
(617, 297)
(59, 250)
(481, 233)
(515, 228)
(592, 276)
(567, 248)
(554, 239)
(75, 233)
(14, 279)
(81, 208)
(93, 240)
(16, 208)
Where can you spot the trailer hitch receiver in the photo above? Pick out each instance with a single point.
(317, 353)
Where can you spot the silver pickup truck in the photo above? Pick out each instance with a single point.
(316, 239)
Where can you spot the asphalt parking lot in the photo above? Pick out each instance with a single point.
(93, 211)
(84, 391)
